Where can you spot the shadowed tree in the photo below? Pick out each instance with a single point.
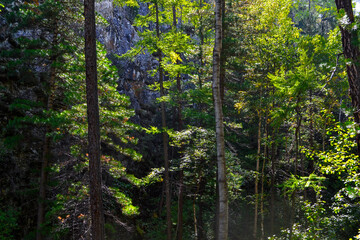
(96, 206)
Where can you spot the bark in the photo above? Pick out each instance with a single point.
(222, 226)
(96, 205)
(349, 39)
(164, 134)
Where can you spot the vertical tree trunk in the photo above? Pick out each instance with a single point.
(201, 228)
(201, 36)
(179, 226)
(180, 127)
(349, 37)
(311, 135)
(257, 174)
(272, 187)
(195, 218)
(222, 226)
(222, 55)
(46, 147)
(96, 206)
(164, 134)
(266, 155)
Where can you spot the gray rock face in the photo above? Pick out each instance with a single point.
(119, 36)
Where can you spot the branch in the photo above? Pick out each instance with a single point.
(333, 72)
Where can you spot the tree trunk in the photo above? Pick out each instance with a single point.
(257, 175)
(201, 36)
(222, 55)
(46, 147)
(96, 206)
(311, 135)
(201, 190)
(179, 229)
(349, 39)
(222, 226)
(272, 187)
(297, 142)
(164, 134)
(266, 155)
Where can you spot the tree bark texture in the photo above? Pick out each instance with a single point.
(96, 205)
(352, 53)
(164, 134)
(222, 225)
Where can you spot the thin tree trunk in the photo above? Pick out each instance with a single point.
(262, 199)
(201, 35)
(297, 141)
(200, 221)
(179, 229)
(164, 134)
(272, 187)
(180, 206)
(292, 213)
(263, 178)
(222, 55)
(349, 39)
(257, 174)
(195, 219)
(222, 227)
(46, 147)
(311, 137)
(96, 206)
(45, 161)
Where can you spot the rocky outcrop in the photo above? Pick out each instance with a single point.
(119, 36)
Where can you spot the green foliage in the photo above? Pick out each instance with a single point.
(294, 184)
(128, 209)
(342, 162)
(8, 223)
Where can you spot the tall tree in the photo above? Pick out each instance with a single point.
(164, 134)
(222, 200)
(96, 206)
(47, 140)
(350, 40)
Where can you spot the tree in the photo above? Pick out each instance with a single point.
(349, 37)
(222, 198)
(96, 206)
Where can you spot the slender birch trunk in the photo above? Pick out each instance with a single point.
(222, 226)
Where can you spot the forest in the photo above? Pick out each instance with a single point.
(179, 119)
